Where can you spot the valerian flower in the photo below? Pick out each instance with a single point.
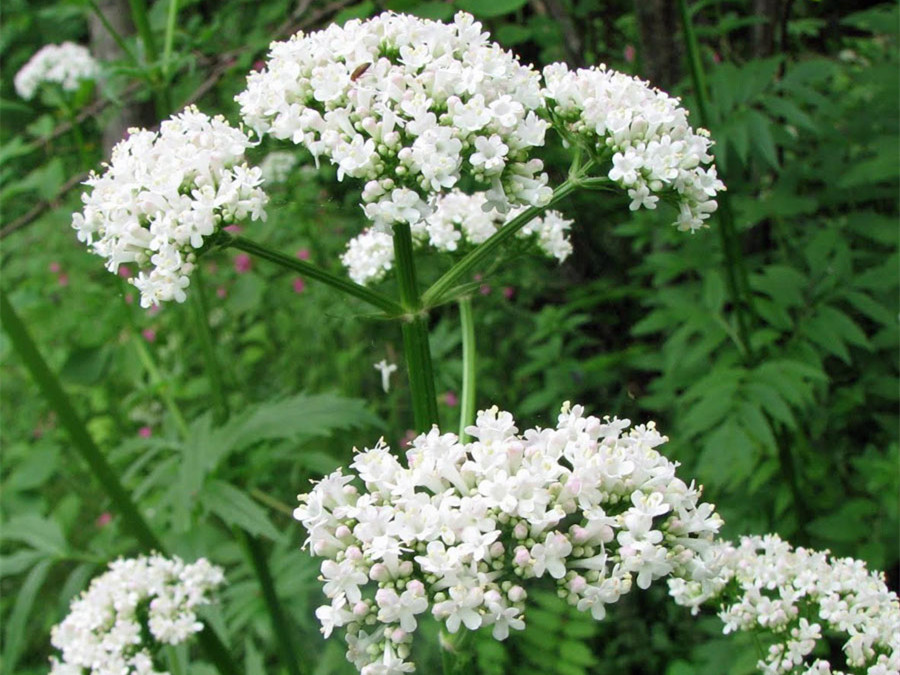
(66, 65)
(137, 605)
(461, 529)
(411, 107)
(163, 194)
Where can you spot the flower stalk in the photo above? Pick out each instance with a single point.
(467, 398)
(441, 289)
(367, 295)
(414, 326)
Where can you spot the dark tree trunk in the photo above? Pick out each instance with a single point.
(764, 32)
(660, 49)
(104, 48)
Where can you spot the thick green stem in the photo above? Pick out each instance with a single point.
(735, 270)
(467, 397)
(213, 369)
(169, 40)
(284, 637)
(311, 271)
(483, 253)
(415, 333)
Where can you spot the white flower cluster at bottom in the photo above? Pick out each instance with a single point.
(455, 218)
(107, 624)
(796, 596)
(464, 528)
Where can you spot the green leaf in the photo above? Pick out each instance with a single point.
(21, 612)
(846, 524)
(761, 130)
(783, 284)
(436, 11)
(235, 507)
(42, 534)
(844, 326)
(790, 112)
(487, 10)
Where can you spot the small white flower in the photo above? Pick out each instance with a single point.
(385, 369)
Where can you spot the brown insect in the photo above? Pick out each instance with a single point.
(358, 72)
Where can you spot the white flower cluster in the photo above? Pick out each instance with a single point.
(66, 65)
(797, 596)
(454, 218)
(163, 193)
(276, 167)
(643, 131)
(136, 598)
(463, 528)
(408, 105)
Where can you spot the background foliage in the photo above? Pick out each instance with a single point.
(765, 347)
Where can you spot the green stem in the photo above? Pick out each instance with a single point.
(283, 633)
(213, 369)
(414, 327)
(116, 36)
(169, 39)
(132, 519)
(141, 21)
(736, 276)
(454, 657)
(467, 397)
(367, 295)
(480, 255)
(161, 387)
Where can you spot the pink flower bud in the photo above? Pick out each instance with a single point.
(451, 399)
(520, 531)
(360, 609)
(63, 280)
(578, 584)
(104, 519)
(149, 334)
(629, 53)
(299, 285)
(55, 267)
(522, 557)
(509, 292)
(221, 292)
(303, 254)
(485, 289)
(145, 432)
(242, 263)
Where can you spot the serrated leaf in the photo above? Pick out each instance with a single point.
(42, 534)
(791, 113)
(844, 326)
(760, 129)
(235, 507)
(782, 283)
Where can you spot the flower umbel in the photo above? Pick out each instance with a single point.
(151, 596)
(163, 194)
(67, 65)
(408, 105)
(462, 529)
(794, 597)
(643, 132)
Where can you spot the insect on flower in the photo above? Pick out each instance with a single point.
(358, 72)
